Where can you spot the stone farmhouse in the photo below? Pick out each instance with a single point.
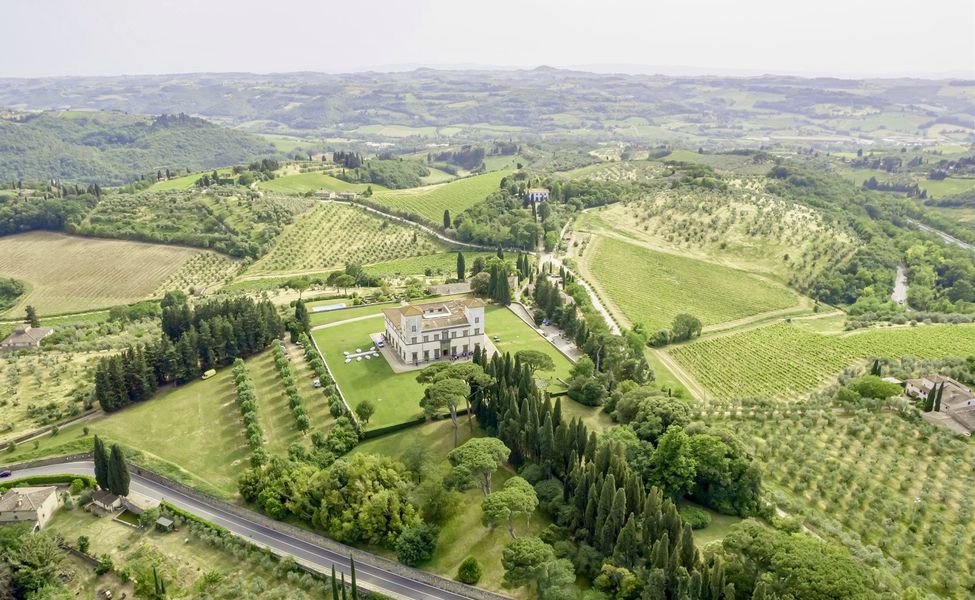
(25, 336)
(420, 333)
(957, 401)
(36, 504)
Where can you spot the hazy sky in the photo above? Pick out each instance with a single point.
(840, 37)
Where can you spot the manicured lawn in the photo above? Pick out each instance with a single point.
(515, 335)
(396, 396)
(196, 426)
(344, 314)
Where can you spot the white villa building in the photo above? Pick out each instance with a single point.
(419, 333)
(537, 194)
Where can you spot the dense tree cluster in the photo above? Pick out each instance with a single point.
(349, 160)
(44, 209)
(468, 157)
(210, 335)
(393, 174)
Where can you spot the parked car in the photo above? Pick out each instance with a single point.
(5, 473)
(317, 383)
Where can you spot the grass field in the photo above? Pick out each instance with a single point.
(652, 287)
(784, 361)
(67, 273)
(429, 202)
(396, 396)
(879, 484)
(336, 234)
(192, 433)
(947, 186)
(302, 183)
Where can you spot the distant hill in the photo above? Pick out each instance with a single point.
(111, 148)
(532, 105)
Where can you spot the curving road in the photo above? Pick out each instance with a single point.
(311, 555)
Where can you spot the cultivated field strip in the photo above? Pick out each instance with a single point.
(430, 201)
(68, 273)
(782, 361)
(652, 287)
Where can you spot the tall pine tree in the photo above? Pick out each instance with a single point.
(100, 457)
(118, 472)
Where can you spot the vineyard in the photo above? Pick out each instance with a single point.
(742, 227)
(896, 493)
(652, 287)
(430, 201)
(202, 273)
(783, 361)
(69, 274)
(336, 234)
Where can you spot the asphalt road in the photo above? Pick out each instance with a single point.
(311, 555)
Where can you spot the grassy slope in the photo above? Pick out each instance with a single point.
(302, 183)
(652, 287)
(68, 273)
(431, 201)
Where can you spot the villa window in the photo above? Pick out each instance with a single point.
(477, 331)
(414, 329)
(453, 334)
(436, 337)
(426, 355)
(413, 340)
(477, 319)
(426, 338)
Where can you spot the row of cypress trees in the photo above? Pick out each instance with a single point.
(111, 472)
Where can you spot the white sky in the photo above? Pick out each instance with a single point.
(808, 37)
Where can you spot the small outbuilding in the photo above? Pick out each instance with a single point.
(164, 524)
(106, 501)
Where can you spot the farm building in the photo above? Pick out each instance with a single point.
(106, 501)
(537, 194)
(957, 401)
(25, 336)
(29, 504)
(436, 330)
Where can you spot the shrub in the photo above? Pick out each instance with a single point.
(415, 545)
(469, 571)
(695, 517)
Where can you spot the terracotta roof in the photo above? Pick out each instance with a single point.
(435, 315)
(104, 497)
(25, 334)
(25, 498)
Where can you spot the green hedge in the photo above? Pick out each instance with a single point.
(188, 516)
(50, 480)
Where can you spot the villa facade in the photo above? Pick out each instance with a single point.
(419, 333)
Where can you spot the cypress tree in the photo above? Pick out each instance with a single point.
(355, 588)
(627, 548)
(100, 456)
(335, 586)
(614, 522)
(446, 221)
(118, 472)
(605, 505)
(343, 587)
(461, 267)
(937, 400)
(929, 401)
